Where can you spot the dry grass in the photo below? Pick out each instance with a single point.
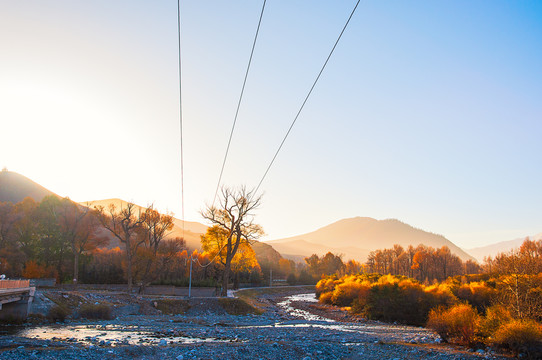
(172, 306)
(95, 311)
(58, 313)
(235, 306)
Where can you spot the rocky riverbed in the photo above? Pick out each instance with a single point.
(291, 327)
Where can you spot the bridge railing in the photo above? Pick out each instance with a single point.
(13, 284)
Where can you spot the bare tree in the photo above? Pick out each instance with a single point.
(234, 215)
(125, 225)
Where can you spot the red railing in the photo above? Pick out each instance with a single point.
(13, 284)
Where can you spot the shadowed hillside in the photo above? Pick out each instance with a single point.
(356, 237)
(15, 187)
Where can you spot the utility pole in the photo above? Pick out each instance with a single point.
(190, 278)
(270, 277)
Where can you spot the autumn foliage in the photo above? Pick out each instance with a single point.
(33, 270)
(459, 322)
(423, 263)
(501, 307)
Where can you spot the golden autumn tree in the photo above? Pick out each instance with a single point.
(213, 243)
(234, 215)
(154, 251)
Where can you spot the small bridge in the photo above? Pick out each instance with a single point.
(15, 299)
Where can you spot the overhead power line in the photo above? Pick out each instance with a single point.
(239, 103)
(213, 259)
(180, 111)
(307, 97)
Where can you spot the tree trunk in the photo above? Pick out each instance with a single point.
(142, 288)
(76, 269)
(129, 264)
(225, 279)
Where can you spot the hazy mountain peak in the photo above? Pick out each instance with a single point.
(364, 234)
(501, 247)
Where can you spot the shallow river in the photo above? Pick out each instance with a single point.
(148, 334)
(141, 335)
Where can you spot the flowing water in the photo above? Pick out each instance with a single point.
(308, 320)
(288, 306)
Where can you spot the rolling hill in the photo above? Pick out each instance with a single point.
(500, 247)
(356, 237)
(15, 187)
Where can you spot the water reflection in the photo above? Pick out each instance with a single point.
(112, 335)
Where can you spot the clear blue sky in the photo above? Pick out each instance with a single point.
(429, 112)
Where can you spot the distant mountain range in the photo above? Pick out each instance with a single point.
(353, 237)
(356, 237)
(501, 247)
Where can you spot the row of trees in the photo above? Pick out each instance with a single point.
(423, 263)
(51, 237)
(59, 238)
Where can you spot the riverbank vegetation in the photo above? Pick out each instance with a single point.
(489, 308)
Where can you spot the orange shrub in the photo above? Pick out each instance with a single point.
(459, 323)
(441, 294)
(326, 284)
(478, 294)
(404, 301)
(345, 293)
(521, 336)
(325, 298)
(384, 297)
(496, 316)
